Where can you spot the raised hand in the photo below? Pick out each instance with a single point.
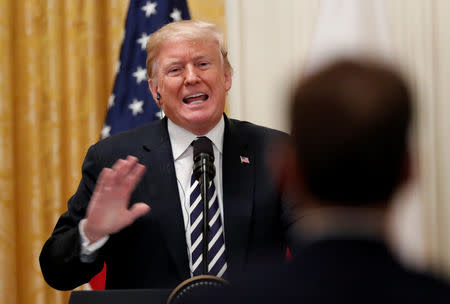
(108, 210)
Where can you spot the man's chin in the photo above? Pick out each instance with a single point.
(200, 124)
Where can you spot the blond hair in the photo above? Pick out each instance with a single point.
(191, 30)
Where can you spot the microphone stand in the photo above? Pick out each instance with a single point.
(204, 191)
(204, 171)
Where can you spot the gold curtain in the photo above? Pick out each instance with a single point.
(57, 64)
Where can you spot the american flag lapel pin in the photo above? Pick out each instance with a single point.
(244, 160)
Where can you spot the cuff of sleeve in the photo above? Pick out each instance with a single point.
(89, 251)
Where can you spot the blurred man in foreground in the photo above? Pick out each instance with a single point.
(347, 157)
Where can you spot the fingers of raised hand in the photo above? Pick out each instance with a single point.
(130, 181)
(127, 173)
(121, 178)
(122, 167)
(138, 210)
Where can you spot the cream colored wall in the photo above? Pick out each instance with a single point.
(268, 41)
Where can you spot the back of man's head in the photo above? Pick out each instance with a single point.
(350, 123)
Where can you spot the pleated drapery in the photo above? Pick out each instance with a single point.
(57, 66)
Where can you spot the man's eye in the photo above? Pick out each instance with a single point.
(173, 71)
(203, 64)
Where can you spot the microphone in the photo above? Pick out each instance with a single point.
(204, 172)
(203, 159)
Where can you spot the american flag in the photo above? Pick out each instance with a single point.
(131, 103)
(244, 160)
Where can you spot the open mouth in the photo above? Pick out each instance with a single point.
(195, 98)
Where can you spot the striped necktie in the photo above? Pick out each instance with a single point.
(216, 248)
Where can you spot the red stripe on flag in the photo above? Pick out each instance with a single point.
(98, 282)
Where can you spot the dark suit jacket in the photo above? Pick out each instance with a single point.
(338, 271)
(152, 251)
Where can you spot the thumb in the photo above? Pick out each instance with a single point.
(139, 209)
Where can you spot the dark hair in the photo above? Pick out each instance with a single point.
(350, 127)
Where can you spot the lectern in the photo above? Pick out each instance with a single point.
(129, 296)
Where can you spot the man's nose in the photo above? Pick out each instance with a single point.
(191, 76)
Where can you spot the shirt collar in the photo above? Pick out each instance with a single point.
(180, 138)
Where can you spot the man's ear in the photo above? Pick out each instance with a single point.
(228, 80)
(153, 86)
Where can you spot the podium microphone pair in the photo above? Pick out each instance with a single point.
(204, 172)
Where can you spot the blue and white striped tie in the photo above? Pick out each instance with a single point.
(217, 264)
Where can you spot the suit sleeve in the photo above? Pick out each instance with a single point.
(60, 257)
(288, 222)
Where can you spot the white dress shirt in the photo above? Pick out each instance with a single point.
(183, 155)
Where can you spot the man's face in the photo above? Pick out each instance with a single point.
(192, 82)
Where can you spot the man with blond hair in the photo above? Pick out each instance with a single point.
(132, 209)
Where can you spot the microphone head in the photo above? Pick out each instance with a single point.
(203, 158)
(203, 145)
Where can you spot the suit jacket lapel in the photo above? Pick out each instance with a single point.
(238, 187)
(161, 184)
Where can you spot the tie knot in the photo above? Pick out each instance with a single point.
(203, 145)
(201, 139)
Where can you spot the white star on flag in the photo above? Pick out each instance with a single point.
(176, 15)
(105, 131)
(143, 40)
(136, 107)
(140, 74)
(149, 8)
(111, 100)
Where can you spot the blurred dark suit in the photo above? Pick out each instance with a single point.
(352, 270)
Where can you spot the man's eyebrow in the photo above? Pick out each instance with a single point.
(171, 62)
(201, 56)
